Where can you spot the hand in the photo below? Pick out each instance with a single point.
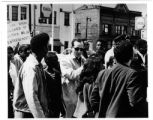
(62, 115)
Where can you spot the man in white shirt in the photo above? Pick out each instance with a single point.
(17, 62)
(109, 55)
(71, 67)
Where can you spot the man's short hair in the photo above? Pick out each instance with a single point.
(123, 52)
(140, 43)
(23, 48)
(99, 41)
(50, 57)
(10, 49)
(117, 40)
(78, 40)
(38, 42)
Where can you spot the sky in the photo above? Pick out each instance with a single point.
(134, 7)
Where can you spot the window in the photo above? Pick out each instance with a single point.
(23, 13)
(106, 29)
(132, 31)
(50, 18)
(54, 17)
(137, 32)
(7, 12)
(14, 13)
(77, 28)
(66, 44)
(117, 30)
(67, 19)
(120, 29)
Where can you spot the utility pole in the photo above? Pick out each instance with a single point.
(87, 27)
(52, 30)
(34, 24)
(30, 17)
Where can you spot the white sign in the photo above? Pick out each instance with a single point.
(18, 32)
(46, 9)
(144, 34)
(139, 23)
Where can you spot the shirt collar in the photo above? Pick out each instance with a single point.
(32, 58)
(73, 56)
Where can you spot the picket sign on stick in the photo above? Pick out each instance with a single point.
(18, 32)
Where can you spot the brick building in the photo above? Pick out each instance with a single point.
(95, 22)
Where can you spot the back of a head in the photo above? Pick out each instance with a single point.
(141, 45)
(117, 40)
(93, 64)
(123, 52)
(91, 69)
(23, 48)
(51, 60)
(10, 53)
(9, 49)
(50, 57)
(38, 42)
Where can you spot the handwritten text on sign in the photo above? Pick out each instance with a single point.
(18, 32)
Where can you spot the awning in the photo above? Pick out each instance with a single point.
(57, 42)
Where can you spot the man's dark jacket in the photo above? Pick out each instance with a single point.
(122, 93)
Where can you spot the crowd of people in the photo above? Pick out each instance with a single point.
(82, 84)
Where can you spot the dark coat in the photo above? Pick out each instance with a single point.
(54, 95)
(122, 93)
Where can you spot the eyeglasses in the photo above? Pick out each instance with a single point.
(77, 49)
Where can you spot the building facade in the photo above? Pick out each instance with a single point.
(46, 18)
(95, 22)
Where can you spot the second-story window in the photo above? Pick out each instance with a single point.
(55, 17)
(67, 19)
(120, 29)
(50, 18)
(77, 28)
(14, 13)
(23, 13)
(106, 29)
(66, 43)
(7, 12)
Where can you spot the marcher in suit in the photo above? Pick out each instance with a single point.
(120, 88)
(140, 59)
(71, 67)
(139, 63)
(54, 89)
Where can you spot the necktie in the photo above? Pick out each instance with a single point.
(79, 60)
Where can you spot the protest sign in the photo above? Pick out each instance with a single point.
(18, 31)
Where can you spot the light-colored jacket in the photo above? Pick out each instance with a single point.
(29, 93)
(15, 66)
(108, 56)
(18, 62)
(71, 70)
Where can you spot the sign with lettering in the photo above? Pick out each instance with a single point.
(18, 31)
(139, 23)
(46, 10)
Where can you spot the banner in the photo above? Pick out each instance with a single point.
(139, 23)
(18, 31)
